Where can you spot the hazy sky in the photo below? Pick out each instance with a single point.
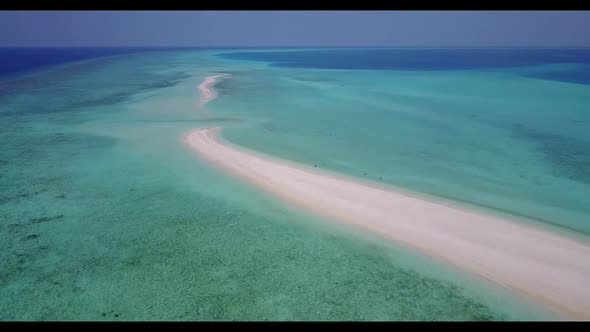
(294, 28)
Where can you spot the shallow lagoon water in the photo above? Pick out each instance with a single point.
(495, 139)
(105, 214)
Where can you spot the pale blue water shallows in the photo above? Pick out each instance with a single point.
(106, 215)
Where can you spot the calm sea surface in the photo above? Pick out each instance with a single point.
(105, 214)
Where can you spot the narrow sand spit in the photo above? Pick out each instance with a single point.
(548, 268)
(206, 90)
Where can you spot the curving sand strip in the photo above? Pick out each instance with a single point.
(206, 88)
(548, 268)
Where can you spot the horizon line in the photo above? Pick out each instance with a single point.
(287, 46)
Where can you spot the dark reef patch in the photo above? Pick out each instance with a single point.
(166, 83)
(569, 157)
(109, 99)
(57, 138)
(30, 237)
(45, 219)
(6, 199)
(117, 97)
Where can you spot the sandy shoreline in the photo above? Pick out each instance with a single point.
(206, 88)
(548, 268)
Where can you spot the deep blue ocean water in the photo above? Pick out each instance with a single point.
(431, 59)
(15, 60)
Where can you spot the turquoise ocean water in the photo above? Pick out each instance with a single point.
(105, 214)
